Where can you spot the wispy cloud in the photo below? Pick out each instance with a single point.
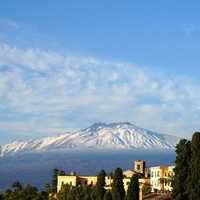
(46, 92)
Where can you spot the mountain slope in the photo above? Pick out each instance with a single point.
(97, 136)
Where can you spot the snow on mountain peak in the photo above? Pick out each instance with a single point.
(123, 135)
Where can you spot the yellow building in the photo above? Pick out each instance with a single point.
(75, 180)
(160, 178)
(129, 173)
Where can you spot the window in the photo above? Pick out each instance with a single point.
(70, 183)
(138, 167)
(158, 173)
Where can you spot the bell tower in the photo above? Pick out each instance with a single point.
(139, 166)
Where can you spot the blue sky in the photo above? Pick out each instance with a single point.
(67, 64)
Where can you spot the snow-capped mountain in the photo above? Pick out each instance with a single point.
(98, 136)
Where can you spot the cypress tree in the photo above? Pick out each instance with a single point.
(194, 185)
(61, 173)
(100, 186)
(133, 188)
(47, 188)
(118, 192)
(17, 186)
(182, 170)
(65, 192)
(54, 180)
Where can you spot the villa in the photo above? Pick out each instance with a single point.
(158, 178)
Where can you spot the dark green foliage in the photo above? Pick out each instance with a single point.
(194, 185)
(82, 192)
(186, 181)
(181, 177)
(100, 190)
(47, 188)
(56, 173)
(146, 190)
(64, 192)
(108, 195)
(118, 192)
(28, 192)
(133, 188)
(61, 173)
(17, 186)
(54, 180)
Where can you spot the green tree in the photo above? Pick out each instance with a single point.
(118, 192)
(17, 191)
(194, 185)
(100, 186)
(17, 186)
(65, 192)
(54, 180)
(7, 194)
(30, 192)
(47, 188)
(133, 188)
(182, 170)
(1, 196)
(61, 173)
(108, 195)
(146, 189)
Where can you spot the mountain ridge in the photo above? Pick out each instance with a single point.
(99, 136)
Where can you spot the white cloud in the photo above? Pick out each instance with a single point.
(45, 90)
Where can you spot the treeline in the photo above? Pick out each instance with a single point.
(82, 192)
(186, 181)
(20, 192)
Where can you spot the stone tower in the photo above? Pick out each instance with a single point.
(139, 166)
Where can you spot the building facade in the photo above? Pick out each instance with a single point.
(158, 178)
(161, 177)
(75, 180)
